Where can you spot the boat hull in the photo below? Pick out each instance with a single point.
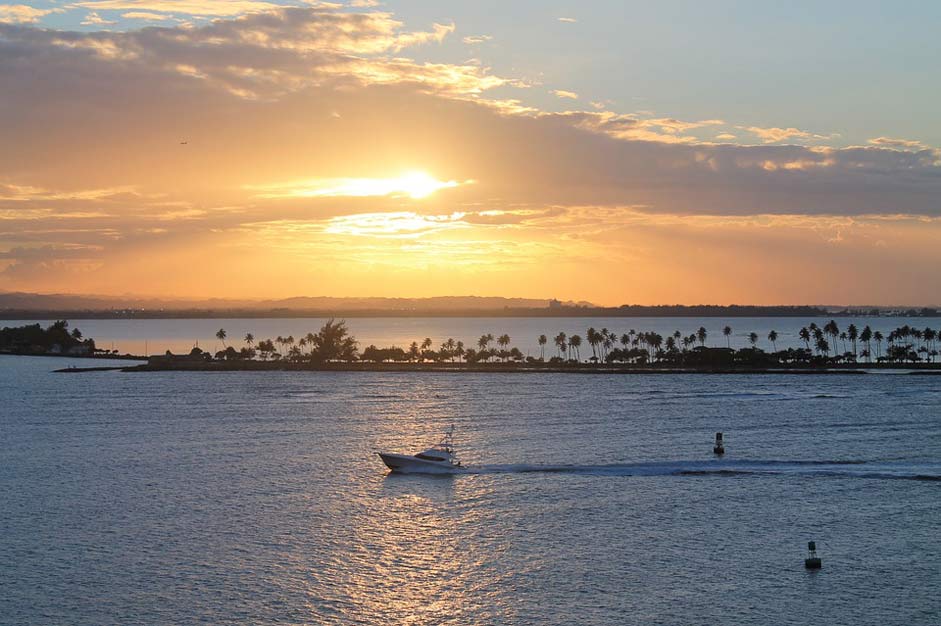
(404, 464)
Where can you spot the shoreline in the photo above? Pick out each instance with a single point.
(498, 368)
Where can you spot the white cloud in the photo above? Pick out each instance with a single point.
(888, 142)
(145, 15)
(476, 39)
(23, 14)
(93, 19)
(775, 134)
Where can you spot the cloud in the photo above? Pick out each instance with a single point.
(211, 8)
(93, 19)
(561, 93)
(145, 15)
(568, 20)
(23, 14)
(476, 39)
(775, 135)
(888, 142)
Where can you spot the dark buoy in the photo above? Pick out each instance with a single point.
(718, 448)
(812, 561)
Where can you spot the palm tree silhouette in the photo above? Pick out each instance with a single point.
(866, 338)
(459, 351)
(560, 343)
(853, 333)
(701, 335)
(727, 331)
(753, 338)
(593, 338)
(503, 341)
(543, 340)
(574, 342)
(250, 339)
(804, 334)
(773, 338)
(220, 335)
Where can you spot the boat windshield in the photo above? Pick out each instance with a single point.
(427, 457)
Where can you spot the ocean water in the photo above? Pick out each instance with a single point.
(180, 335)
(257, 497)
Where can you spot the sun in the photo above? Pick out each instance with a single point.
(419, 184)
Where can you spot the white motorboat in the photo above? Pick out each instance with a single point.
(438, 459)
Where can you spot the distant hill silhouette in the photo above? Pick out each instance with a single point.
(65, 306)
(52, 302)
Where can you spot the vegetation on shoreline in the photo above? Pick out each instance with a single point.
(824, 346)
(56, 339)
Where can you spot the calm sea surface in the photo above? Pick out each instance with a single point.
(257, 498)
(180, 335)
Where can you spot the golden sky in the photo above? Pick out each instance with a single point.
(308, 151)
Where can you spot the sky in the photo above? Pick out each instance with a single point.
(614, 152)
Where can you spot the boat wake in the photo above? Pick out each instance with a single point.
(838, 468)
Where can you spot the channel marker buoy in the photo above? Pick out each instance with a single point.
(812, 561)
(718, 448)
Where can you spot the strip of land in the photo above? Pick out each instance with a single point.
(496, 368)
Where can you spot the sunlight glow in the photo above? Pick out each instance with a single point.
(401, 224)
(415, 184)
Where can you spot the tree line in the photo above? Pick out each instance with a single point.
(822, 345)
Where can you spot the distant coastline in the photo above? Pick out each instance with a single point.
(562, 311)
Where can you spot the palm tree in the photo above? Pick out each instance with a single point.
(833, 330)
(560, 343)
(853, 333)
(866, 338)
(804, 334)
(459, 350)
(542, 346)
(753, 338)
(503, 341)
(773, 338)
(701, 335)
(250, 339)
(414, 352)
(482, 342)
(727, 331)
(878, 337)
(574, 342)
(625, 340)
(426, 344)
(608, 343)
(593, 339)
(449, 347)
(220, 335)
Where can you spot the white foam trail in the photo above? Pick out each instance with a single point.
(837, 468)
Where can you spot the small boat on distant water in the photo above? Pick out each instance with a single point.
(438, 459)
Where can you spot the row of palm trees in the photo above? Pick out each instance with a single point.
(331, 342)
(827, 342)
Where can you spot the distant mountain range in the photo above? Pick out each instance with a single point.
(66, 302)
(65, 306)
